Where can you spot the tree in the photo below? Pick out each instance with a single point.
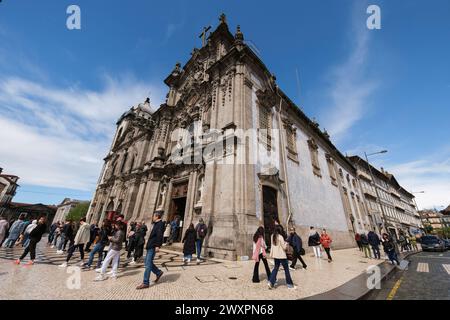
(79, 211)
(428, 228)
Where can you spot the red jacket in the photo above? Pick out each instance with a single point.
(325, 240)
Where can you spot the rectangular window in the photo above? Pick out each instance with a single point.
(331, 169)
(314, 152)
(265, 126)
(291, 140)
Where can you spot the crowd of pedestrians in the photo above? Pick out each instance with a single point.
(111, 237)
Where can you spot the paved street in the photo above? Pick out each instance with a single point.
(213, 279)
(427, 278)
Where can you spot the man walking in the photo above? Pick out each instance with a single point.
(374, 242)
(35, 236)
(201, 231)
(154, 242)
(296, 242)
(15, 231)
(66, 235)
(3, 228)
(365, 245)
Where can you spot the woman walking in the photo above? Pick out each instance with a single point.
(35, 237)
(26, 234)
(105, 232)
(389, 248)
(189, 243)
(139, 239)
(278, 253)
(82, 237)
(314, 242)
(259, 253)
(325, 240)
(113, 255)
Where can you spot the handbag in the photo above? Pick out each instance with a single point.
(289, 251)
(302, 252)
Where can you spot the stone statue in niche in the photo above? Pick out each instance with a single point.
(162, 196)
(201, 186)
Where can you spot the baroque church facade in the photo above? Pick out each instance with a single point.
(230, 147)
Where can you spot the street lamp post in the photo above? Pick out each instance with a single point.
(417, 208)
(383, 217)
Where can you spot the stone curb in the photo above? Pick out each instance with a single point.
(356, 289)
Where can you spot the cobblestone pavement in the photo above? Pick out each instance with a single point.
(427, 278)
(212, 279)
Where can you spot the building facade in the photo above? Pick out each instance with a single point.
(63, 209)
(230, 147)
(8, 187)
(390, 206)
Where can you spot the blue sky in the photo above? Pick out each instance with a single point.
(62, 90)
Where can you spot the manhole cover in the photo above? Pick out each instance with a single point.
(232, 278)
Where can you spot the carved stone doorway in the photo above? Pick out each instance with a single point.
(270, 208)
(178, 206)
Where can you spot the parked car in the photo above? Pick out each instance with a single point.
(447, 243)
(432, 243)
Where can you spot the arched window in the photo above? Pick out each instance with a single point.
(110, 206)
(119, 208)
(124, 161)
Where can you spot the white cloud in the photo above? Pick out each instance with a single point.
(351, 86)
(431, 175)
(57, 137)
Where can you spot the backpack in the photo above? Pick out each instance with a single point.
(202, 231)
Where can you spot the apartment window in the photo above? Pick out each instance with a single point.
(265, 126)
(331, 169)
(314, 152)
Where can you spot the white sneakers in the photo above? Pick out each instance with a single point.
(63, 265)
(100, 277)
(59, 251)
(98, 270)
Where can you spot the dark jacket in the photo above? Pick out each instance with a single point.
(104, 234)
(37, 232)
(68, 231)
(373, 239)
(201, 230)
(156, 236)
(388, 245)
(140, 236)
(314, 240)
(117, 240)
(364, 240)
(189, 241)
(296, 242)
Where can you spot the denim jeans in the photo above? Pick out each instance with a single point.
(62, 239)
(273, 275)
(188, 257)
(9, 243)
(150, 266)
(376, 252)
(198, 244)
(98, 248)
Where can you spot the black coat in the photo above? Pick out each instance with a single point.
(189, 241)
(37, 232)
(314, 240)
(156, 236)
